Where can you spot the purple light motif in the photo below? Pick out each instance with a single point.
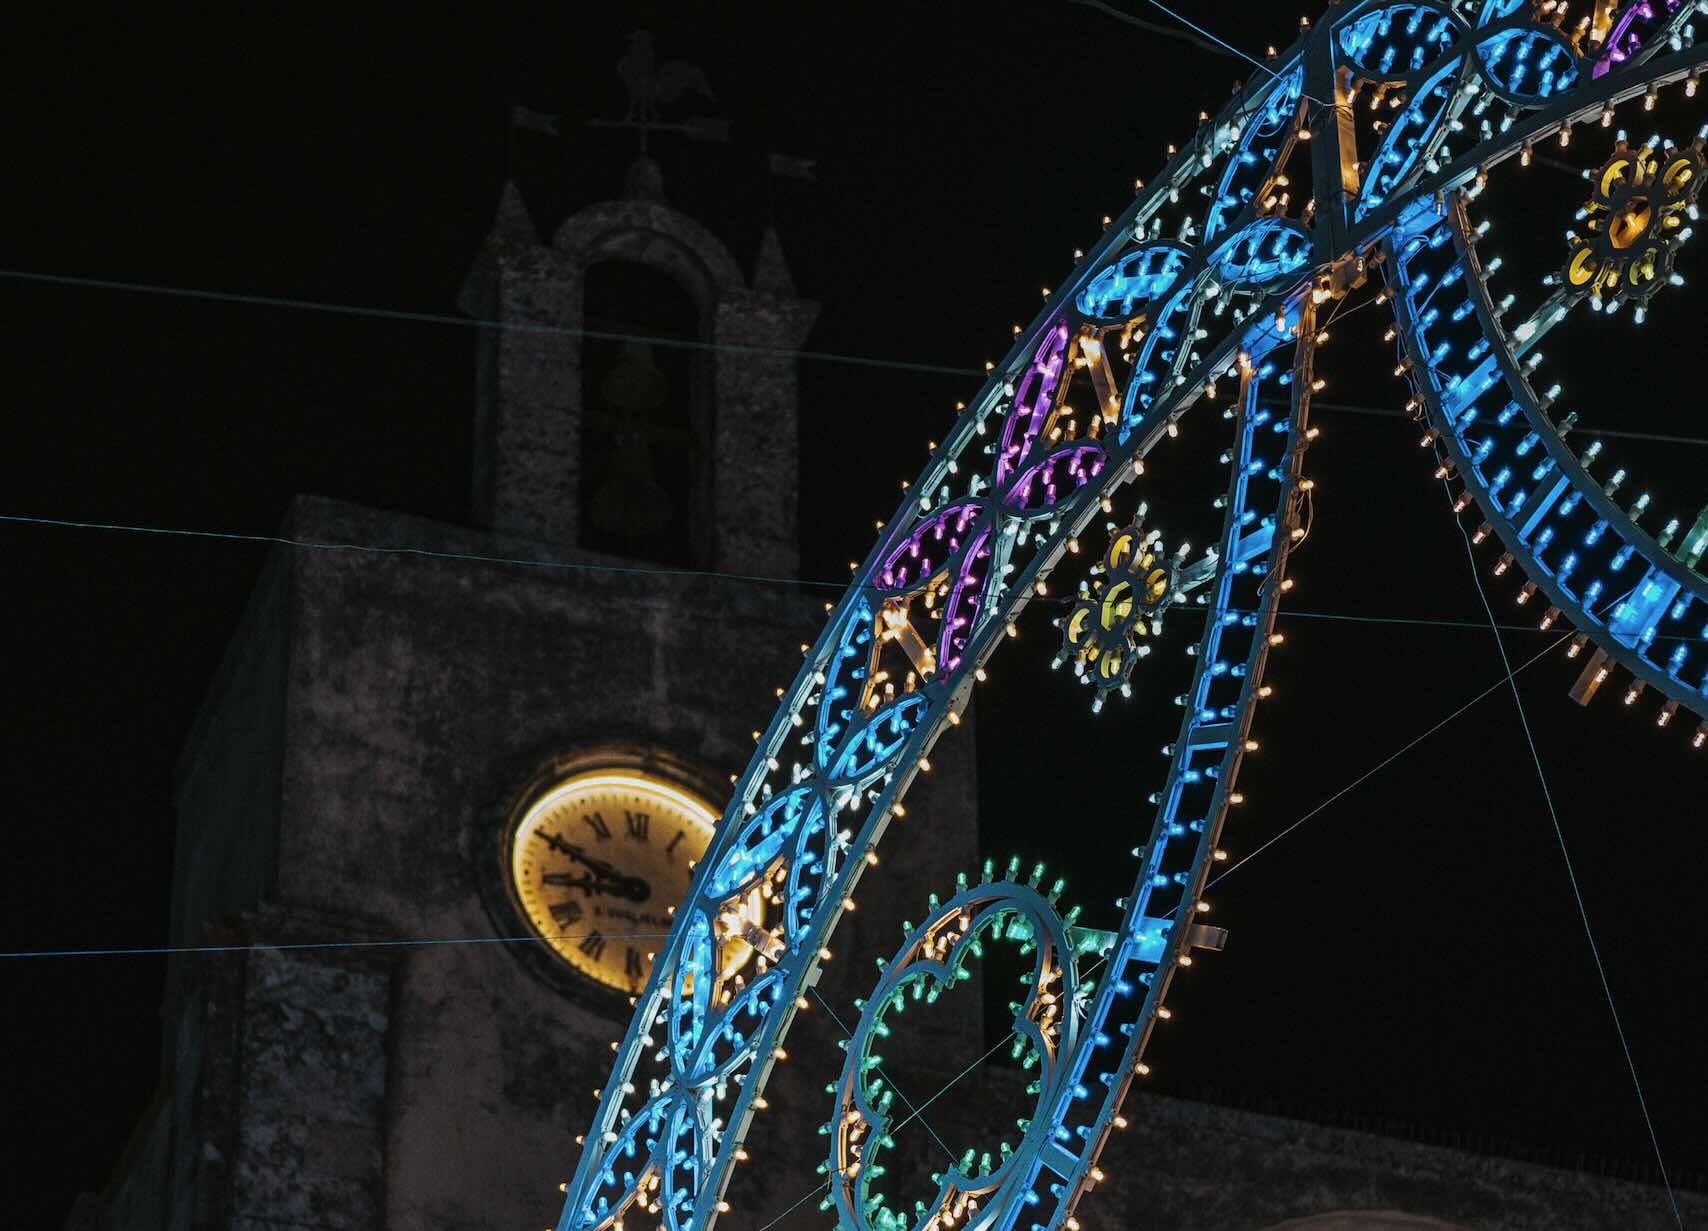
(1039, 489)
(928, 548)
(962, 607)
(1626, 40)
(1033, 401)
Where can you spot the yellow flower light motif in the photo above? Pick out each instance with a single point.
(1639, 212)
(1102, 634)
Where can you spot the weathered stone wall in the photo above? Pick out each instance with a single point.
(226, 786)
(227, 794)
(310, 1120)
(755, 451)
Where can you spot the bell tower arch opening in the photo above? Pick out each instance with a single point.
(646, 422)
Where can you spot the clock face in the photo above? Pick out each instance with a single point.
(598, 862)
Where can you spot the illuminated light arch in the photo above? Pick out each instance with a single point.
(1302, 198)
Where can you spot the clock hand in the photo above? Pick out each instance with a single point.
(556, 842)
(612, 881)
(598, 867)
(609, 880)
(602, 880)
(632, 887)
(586, 884)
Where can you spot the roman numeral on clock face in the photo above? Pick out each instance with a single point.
(566, 913)
(596, 822)
(633, 967)
(639, 823)
(593, 945)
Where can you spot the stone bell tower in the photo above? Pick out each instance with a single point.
(370, 1030)
(541, 402)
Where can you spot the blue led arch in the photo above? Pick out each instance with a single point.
(1207, 287)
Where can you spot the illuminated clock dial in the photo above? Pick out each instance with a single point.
(598, 862)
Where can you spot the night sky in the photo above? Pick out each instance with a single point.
(1410, 958)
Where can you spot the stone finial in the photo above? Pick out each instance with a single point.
(512, 222)
(770, 270)
(512, 228)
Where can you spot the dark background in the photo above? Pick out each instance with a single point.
(1411, 958)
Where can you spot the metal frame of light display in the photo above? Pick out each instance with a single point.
(1363, 147)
